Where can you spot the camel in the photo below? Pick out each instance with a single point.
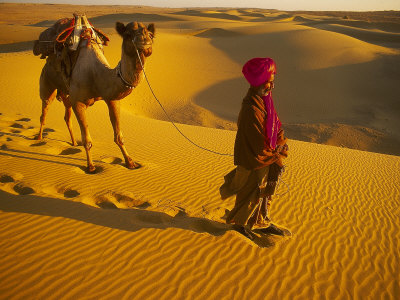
(92, 79)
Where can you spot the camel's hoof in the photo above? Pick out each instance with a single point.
(132, 165)
(38, 138)
(74, 144)
(91, 169)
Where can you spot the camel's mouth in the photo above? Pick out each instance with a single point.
(143, 46)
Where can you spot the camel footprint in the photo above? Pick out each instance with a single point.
(6, 179)
(70, 151)
(112, 160)
(115, 200)
(46, 131)
(22, 189)
(130, 201)
(68, 193)
(23, 120)
(42, 143)
(83, 170)
(105, 202)
(17, 125)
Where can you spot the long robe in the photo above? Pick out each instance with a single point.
(251, 148)
(252, 156)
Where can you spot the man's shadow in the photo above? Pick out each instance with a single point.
(122, 219)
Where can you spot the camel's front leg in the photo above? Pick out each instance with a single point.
(114, 111)
(80, 113)
(45, 107)
(67, 118)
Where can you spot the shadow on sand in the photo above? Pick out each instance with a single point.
(16, 47)
(121, 219)
(317, 95)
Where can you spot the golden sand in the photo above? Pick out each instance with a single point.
(158, 232)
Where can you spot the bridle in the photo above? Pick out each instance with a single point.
(119, 68)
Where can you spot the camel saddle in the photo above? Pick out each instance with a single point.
(59, 43)
(67, 33)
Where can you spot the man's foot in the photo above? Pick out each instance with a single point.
(272, 229)
(246, 232)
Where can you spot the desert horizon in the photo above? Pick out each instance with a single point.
(159, 232)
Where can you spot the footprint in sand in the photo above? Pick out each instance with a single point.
(144, 205)
(9, 139)
(68, 192)
(105, 203)
(70, 151)
(23, 190)
(82, 170)
(131, 202)
(15, 131)
(71, 194)
(112, 160)
(24, 120)
(38, 144)
(6, 179)
(17, 125)
(48, 130)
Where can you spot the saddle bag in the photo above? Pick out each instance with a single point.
(52, 39)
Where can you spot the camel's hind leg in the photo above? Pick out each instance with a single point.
(80, 113)
(67, 117)
(114, 111)
(46, 100)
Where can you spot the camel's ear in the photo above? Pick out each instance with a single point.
(152, 29)
(120, 27)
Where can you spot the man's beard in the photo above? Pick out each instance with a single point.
(264, 92)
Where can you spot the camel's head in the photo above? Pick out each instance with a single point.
(136, 36)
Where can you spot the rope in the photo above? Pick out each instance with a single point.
(170, 119)
(279, 182)
(189, 140)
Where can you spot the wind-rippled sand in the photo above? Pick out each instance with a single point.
(158, 232)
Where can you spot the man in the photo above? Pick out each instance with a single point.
(259, 148)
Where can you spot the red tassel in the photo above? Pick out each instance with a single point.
(68, 31)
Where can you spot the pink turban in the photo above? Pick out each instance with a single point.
(259, 70)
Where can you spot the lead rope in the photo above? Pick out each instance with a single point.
(170, 119)
(176, 127)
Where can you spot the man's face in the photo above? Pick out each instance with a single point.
(268, 86)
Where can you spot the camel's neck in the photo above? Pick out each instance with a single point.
(107, 83)
(130, 68)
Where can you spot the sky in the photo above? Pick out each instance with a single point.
(348, 5)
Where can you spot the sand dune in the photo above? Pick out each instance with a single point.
(159, 232)
(383, 20)
(208, 14)
(386, 34)
(216, 32)
(167, 231)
